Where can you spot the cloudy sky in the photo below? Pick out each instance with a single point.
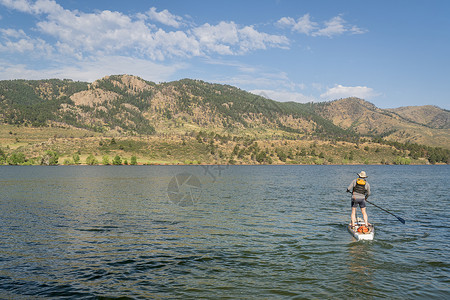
(391, 53)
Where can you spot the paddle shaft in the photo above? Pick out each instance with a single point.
(398, 218)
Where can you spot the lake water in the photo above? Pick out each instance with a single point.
(237, 232)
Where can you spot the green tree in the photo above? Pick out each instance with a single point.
(402, 161)
(212, 148)
(50, 158)
(133, 160)
(105, 160)
(91, 160)
(235, 150)
(290, 154)
(303, 152)
(261, 156)
(241, 153)
(16, 159)
(76, 158)
(281, 155)
(2, 157)
(117, 160)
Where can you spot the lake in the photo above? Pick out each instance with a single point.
(237, 232)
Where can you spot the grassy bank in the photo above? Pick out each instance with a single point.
(23, 145)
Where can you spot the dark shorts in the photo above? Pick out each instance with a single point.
(360, 202)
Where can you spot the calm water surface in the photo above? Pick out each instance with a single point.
(241, 232)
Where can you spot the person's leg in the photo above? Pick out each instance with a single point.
(366, 219)
(353, 216)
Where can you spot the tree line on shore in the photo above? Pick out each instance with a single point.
(52, 158)
(240, 150)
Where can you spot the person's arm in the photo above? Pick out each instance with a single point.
(351, 186)
(367, 190)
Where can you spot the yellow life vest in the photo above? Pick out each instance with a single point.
(360, 186)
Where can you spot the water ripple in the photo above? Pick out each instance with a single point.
(258, 232)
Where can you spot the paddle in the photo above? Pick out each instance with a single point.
(400, 219)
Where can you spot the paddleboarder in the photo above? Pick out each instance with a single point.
(360, 190)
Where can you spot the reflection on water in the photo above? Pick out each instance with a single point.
(256, 232)
(361, 271)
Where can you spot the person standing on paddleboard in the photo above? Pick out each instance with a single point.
(360, 190)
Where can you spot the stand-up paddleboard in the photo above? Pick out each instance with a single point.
(366, 234)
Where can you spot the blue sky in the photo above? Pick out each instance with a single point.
(391, 53)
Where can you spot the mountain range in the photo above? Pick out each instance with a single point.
(213, 122)
(129, 105)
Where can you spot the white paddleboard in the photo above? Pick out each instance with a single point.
(361, 235)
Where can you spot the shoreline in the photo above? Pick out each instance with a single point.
(207, 164)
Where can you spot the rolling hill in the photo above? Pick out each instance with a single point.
(128, 105)
(428, 115)
(212, 119)
(428, 125)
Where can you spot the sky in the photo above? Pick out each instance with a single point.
(391, 53)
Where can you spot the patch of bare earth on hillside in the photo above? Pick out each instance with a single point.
(91, 97)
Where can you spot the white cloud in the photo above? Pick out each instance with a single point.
(228, 38)
(302, 25)
(93, 69)
(12, 33)
(283, 96)
(114, 33)
(339, 91)
(357, 30)
(172, 44)
(165, 17)
(285, 22)
(219, 38)
(38, 7)
(20, 46)
(335, 26)
(105, 31)
(17, 41)
(47, 7)
(20, 5)
(251, 39)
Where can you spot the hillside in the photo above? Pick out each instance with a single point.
(427, 115)
(128, 105)
(190, 121)
(426, 125)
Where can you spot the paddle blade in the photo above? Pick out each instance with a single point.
(401, 220)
